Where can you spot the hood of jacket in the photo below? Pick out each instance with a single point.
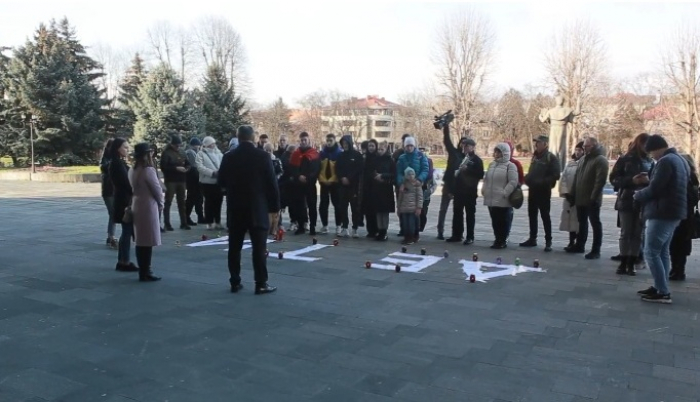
(505, 150)
(597, 151)
(347, 139)
(331, 152)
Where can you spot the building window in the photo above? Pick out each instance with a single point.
(382, 134)
(381, 123)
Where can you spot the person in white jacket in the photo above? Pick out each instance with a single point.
(500, 181)
(208, 161)
(569, 219)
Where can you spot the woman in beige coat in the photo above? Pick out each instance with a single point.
(569, 220)
(146, 206)
(500, 181)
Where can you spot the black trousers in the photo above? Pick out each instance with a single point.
(500, 222)
(540, 203)
(464, 204)
(213, 200)
(372, 225)
(143, 259)
(258, 239)
(592, 214)
(177, 190)
(349, 197)
(194, 198)
(304, 200)
(329, 195)
(445, 200)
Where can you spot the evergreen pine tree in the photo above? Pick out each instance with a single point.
(164, 108)
(223, 110)
(51, 78)
(124, 117)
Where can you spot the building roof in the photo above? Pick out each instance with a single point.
(370, 102)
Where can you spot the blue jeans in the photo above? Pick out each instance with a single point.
(109, 203)
(409, 224)
(125, 243)
(657, 240)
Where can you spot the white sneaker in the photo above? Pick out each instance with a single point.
(210, 226)
(354, 234)
(292, 227)
(324, 230)
(343, 233)
(218, 226)
(640, 265)
(338, 231)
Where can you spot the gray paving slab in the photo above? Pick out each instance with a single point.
(73, 329)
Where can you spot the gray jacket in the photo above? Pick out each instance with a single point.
(666, 197)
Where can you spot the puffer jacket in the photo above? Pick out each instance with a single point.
(411, 198)
(567, 178)
(666, 196)
(501, 179)
(208, 163)
(591, 175)
(415, 160)
(621, 177)
(543, 173)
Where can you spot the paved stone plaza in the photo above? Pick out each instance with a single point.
(73, 329)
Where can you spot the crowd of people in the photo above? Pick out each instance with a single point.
(657, 196)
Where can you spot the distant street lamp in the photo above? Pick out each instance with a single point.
(31, 119)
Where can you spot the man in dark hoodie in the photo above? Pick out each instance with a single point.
(305, 165)
(349, 169)
(466, 184)
(328, 179)
(281, 146)
(540, 179)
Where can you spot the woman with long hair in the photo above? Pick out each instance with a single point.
(381, 188)
(623, 177)
(147, 204)
(569, 219)
(108, 193)
(119, 176)
(500, 181)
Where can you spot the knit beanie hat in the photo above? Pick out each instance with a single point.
(194, 141)
(175, 139)
(409, 171)
(409, 141)
(208, 141)
(655, 142)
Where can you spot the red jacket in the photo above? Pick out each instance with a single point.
(521, 172)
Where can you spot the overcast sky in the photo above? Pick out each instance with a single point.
(381, 47)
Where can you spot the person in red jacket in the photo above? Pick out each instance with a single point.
(521, 172)
(521, 177)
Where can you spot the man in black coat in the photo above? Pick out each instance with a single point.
(247, 172)
(348, 168)
(455, 156)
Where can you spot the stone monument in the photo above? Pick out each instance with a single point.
(559, 117)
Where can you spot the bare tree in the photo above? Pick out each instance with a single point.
(465, 49)
(680, 69)
(160, 38)
(219, 43)
(576, 61)
(113, 64)
(311, 116)
(273, 119)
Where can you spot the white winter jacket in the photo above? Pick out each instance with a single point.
(208, 162)
(501, 180)
(567, 178)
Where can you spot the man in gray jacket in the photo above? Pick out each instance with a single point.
(587, 195)
(665, 206)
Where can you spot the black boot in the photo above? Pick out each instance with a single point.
(622, 268)
(630, 265)
(166, 218)
(143, 256)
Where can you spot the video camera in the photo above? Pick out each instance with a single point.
(443, 120)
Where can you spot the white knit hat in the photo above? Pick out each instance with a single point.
(208, 141)
(409, 141)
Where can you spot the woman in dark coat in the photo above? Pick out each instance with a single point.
(108, 193)
(622, 177)
(119, 176)
(681, 242)
(380, 173)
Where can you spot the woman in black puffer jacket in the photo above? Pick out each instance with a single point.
(108, 193)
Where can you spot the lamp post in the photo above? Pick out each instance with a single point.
(31, 119)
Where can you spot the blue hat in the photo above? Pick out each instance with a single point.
(195, 142)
